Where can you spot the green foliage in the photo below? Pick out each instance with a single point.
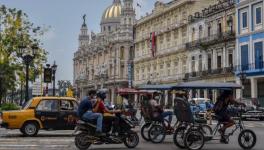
(9, 106)
(17, 31)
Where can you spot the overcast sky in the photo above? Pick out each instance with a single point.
(65, 19)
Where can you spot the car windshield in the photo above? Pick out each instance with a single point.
(26, 105)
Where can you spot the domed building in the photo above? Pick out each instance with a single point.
(104, 60)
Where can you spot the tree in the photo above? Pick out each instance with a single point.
(17, 30)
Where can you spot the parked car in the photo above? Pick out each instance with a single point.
(253, 114)
(57, 113)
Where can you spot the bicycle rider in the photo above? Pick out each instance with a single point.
(221, 110)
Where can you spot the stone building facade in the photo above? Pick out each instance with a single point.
(161, 52)
(250, 48)
(104, 60)
(211, 46)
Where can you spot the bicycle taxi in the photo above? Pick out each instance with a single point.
(156, 128)
(152, 118)
(130, 102)
(192, 136)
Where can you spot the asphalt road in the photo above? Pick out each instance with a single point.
(63, 140)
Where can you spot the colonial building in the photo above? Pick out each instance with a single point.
(103, 60)
(250, 38)
(211, 46)
(161, 55)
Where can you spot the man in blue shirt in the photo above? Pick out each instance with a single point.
(85, 111)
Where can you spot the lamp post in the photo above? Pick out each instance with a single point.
(54, 68)
(28, 56)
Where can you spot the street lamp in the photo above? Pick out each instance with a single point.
(54, 68)
(28, 56)
(242, 77)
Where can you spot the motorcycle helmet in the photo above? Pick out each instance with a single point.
(101, 95)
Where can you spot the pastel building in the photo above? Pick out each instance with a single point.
(249, 47)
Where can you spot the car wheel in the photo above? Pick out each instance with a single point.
(30, 129)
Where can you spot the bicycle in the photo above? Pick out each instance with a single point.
(246, 139)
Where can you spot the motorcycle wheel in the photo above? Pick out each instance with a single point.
(144, 131)
(194, 140)
(247, 139)
(157, 134)
(132, 140)
(178, 137)
(81, 141)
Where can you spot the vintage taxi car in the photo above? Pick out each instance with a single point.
(56, 113)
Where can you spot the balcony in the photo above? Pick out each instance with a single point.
(211, 40)
(206, 73)
(251, 68)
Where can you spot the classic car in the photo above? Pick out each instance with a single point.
(57, 113)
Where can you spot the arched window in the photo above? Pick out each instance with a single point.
(200, 31)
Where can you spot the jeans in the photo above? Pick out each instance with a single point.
(92, 116)
(167, 114)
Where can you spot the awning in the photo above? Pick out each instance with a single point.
(207, 85)
(127, 91)
(155, 87)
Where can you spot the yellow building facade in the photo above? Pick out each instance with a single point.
(166, 59)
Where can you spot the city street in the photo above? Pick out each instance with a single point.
(13, 140)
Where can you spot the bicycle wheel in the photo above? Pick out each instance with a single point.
(157, 134)
(247, 139)
(178, 137)
(144, 131)
(194, 140)
(206, 130)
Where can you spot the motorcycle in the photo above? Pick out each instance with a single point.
(85, 134)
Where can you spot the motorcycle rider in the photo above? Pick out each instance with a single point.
(107, 114)
(87, 113)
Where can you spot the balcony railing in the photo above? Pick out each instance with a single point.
(210, 40)
(210, 72)
(251, 67)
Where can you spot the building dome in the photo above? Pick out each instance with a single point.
(113, 11)
(111, 15)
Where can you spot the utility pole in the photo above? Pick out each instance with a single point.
(115, 59)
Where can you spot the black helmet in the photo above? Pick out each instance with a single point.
(101, 95)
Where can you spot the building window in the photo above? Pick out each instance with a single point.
(244, 20)
(209, 61)
(129, 21)
(219, 62)
(122, 53)
(184, 32)
(219, 28)
(193, 34)
(244, 57)
(109, 28)
(176, 33)
(200, 63)
(193, 64)
(258, 15)
(176, 63)
(200, 31)
(258, 48)
(209, 30)
(230, 59)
